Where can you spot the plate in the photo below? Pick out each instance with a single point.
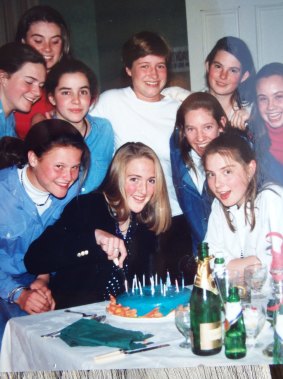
(141, 320)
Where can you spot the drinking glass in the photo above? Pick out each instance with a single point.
(254, 318)
(255, 277)
(183, 323)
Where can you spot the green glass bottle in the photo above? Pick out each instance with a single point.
(219, 274)
(235, 331)
(205, 306)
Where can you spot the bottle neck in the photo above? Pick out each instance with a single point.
(233, 296)
(203, 277)
(202, 251)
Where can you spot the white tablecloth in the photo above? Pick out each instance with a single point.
(23, 348)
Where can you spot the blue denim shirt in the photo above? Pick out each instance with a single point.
(100, 142)
(20, 224)
(195, 206)
(7, 124)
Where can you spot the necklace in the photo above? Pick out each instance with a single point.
(38, 205)
(126, 226)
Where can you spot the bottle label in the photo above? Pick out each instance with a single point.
(219, 269)
(233, 312)
(210, 335)
(204, 278)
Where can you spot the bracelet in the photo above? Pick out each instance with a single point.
(12, 294)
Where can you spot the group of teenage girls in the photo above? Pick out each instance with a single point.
(76, 220)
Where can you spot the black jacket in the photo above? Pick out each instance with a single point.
(80, 278)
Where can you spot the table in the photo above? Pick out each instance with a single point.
(23, 348)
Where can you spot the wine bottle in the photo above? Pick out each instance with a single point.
(235, 332)
(205, 306)
(219, 274)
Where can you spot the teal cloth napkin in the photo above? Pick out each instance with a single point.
(86, 332)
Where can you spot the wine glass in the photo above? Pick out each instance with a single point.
(183, 323)
(254, 318)
(255, 277)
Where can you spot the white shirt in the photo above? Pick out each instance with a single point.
(199, 177)
(135, 120)
(268, 213)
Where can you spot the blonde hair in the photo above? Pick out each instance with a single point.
(157, 213)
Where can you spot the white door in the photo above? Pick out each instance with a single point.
(258, 22)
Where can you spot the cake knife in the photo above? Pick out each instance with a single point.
(121, 352)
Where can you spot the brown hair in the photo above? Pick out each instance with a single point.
(235, 144)
(142, 44)
(47, 134)
(195, 101)
(156, 214)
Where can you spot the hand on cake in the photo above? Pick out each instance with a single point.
(113, 246)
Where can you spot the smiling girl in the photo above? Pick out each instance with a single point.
(230, 74)
(72, 87)
(43, 28)
(33, 195)
(133, 206)
(22, 76)
(267, 122)
(199, 120)
(242, 215)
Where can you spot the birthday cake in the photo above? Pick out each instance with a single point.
(149, 303)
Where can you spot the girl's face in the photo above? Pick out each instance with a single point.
(225, 74)
(72, 97)
(139, 183)
(56, 170)
(46, 38)
(149, 76)
(23, 88)
(270, 100)
(201, 128)
(228, 179)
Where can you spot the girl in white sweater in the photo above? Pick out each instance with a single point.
(242, 215)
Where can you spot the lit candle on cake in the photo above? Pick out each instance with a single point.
(143, 280)
(164, 290)
(140, 287)
(156, 280)
(183, 282)
(168, 281)
(177, 286)
(126, 285)
(152, 286)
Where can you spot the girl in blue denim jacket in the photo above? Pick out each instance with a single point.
(199, 120)
(33, 194)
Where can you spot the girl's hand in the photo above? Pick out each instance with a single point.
(239, 264)
(41, 284)
(240, 118)
(36, 301)
(113, 246)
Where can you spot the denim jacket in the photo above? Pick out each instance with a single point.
(20, 224)
(195, 206)
(100, 142)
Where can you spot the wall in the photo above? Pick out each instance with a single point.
(100, 27)
(80, 17)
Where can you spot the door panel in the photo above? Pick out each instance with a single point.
(257, 22)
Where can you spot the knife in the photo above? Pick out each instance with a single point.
(120, 353)
(145, 349)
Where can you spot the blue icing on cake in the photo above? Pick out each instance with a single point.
(147, 302)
